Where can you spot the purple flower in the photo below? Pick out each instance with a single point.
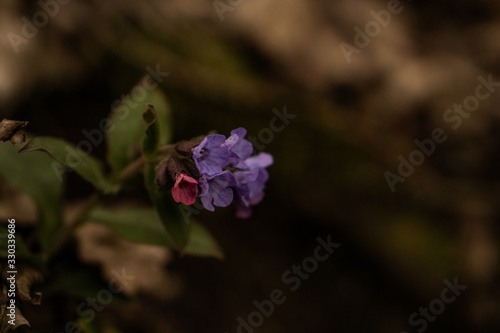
(226, 169)
(211, 155)
(250, 183)
(239, 148)
(216, 190)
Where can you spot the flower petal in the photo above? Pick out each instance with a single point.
(216, 190)
(185, 189)
(239, 148)
(207, 203)
(263, 160)
(211, 155)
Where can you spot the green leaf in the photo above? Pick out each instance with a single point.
(143, 225)
(201, 243)
(139, 225)
(151, 140)
(127, 128)
(67, 154)
(35, 175)
(170, 215)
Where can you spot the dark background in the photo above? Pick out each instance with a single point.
(353, 120)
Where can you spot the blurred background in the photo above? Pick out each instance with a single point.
(359, 101)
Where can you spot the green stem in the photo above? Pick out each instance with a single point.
(138, 164)
(65, 234)
(131, 169)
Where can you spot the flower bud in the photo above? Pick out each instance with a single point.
(168, 172)
(185, 148)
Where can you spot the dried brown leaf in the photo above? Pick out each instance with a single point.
(13, 130)
(26, 278)
(6, 320)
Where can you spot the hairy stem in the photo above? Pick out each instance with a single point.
(131, 169)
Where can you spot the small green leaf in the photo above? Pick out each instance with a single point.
(35, 175)
(177, 229)
(143, 225)
(67, 154)
(127, 128)
(151, 140)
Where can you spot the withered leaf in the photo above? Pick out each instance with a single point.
(26, 278)
(6, 320)
(13, 130)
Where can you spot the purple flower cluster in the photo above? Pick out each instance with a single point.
(227, 172)
(243, 180)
